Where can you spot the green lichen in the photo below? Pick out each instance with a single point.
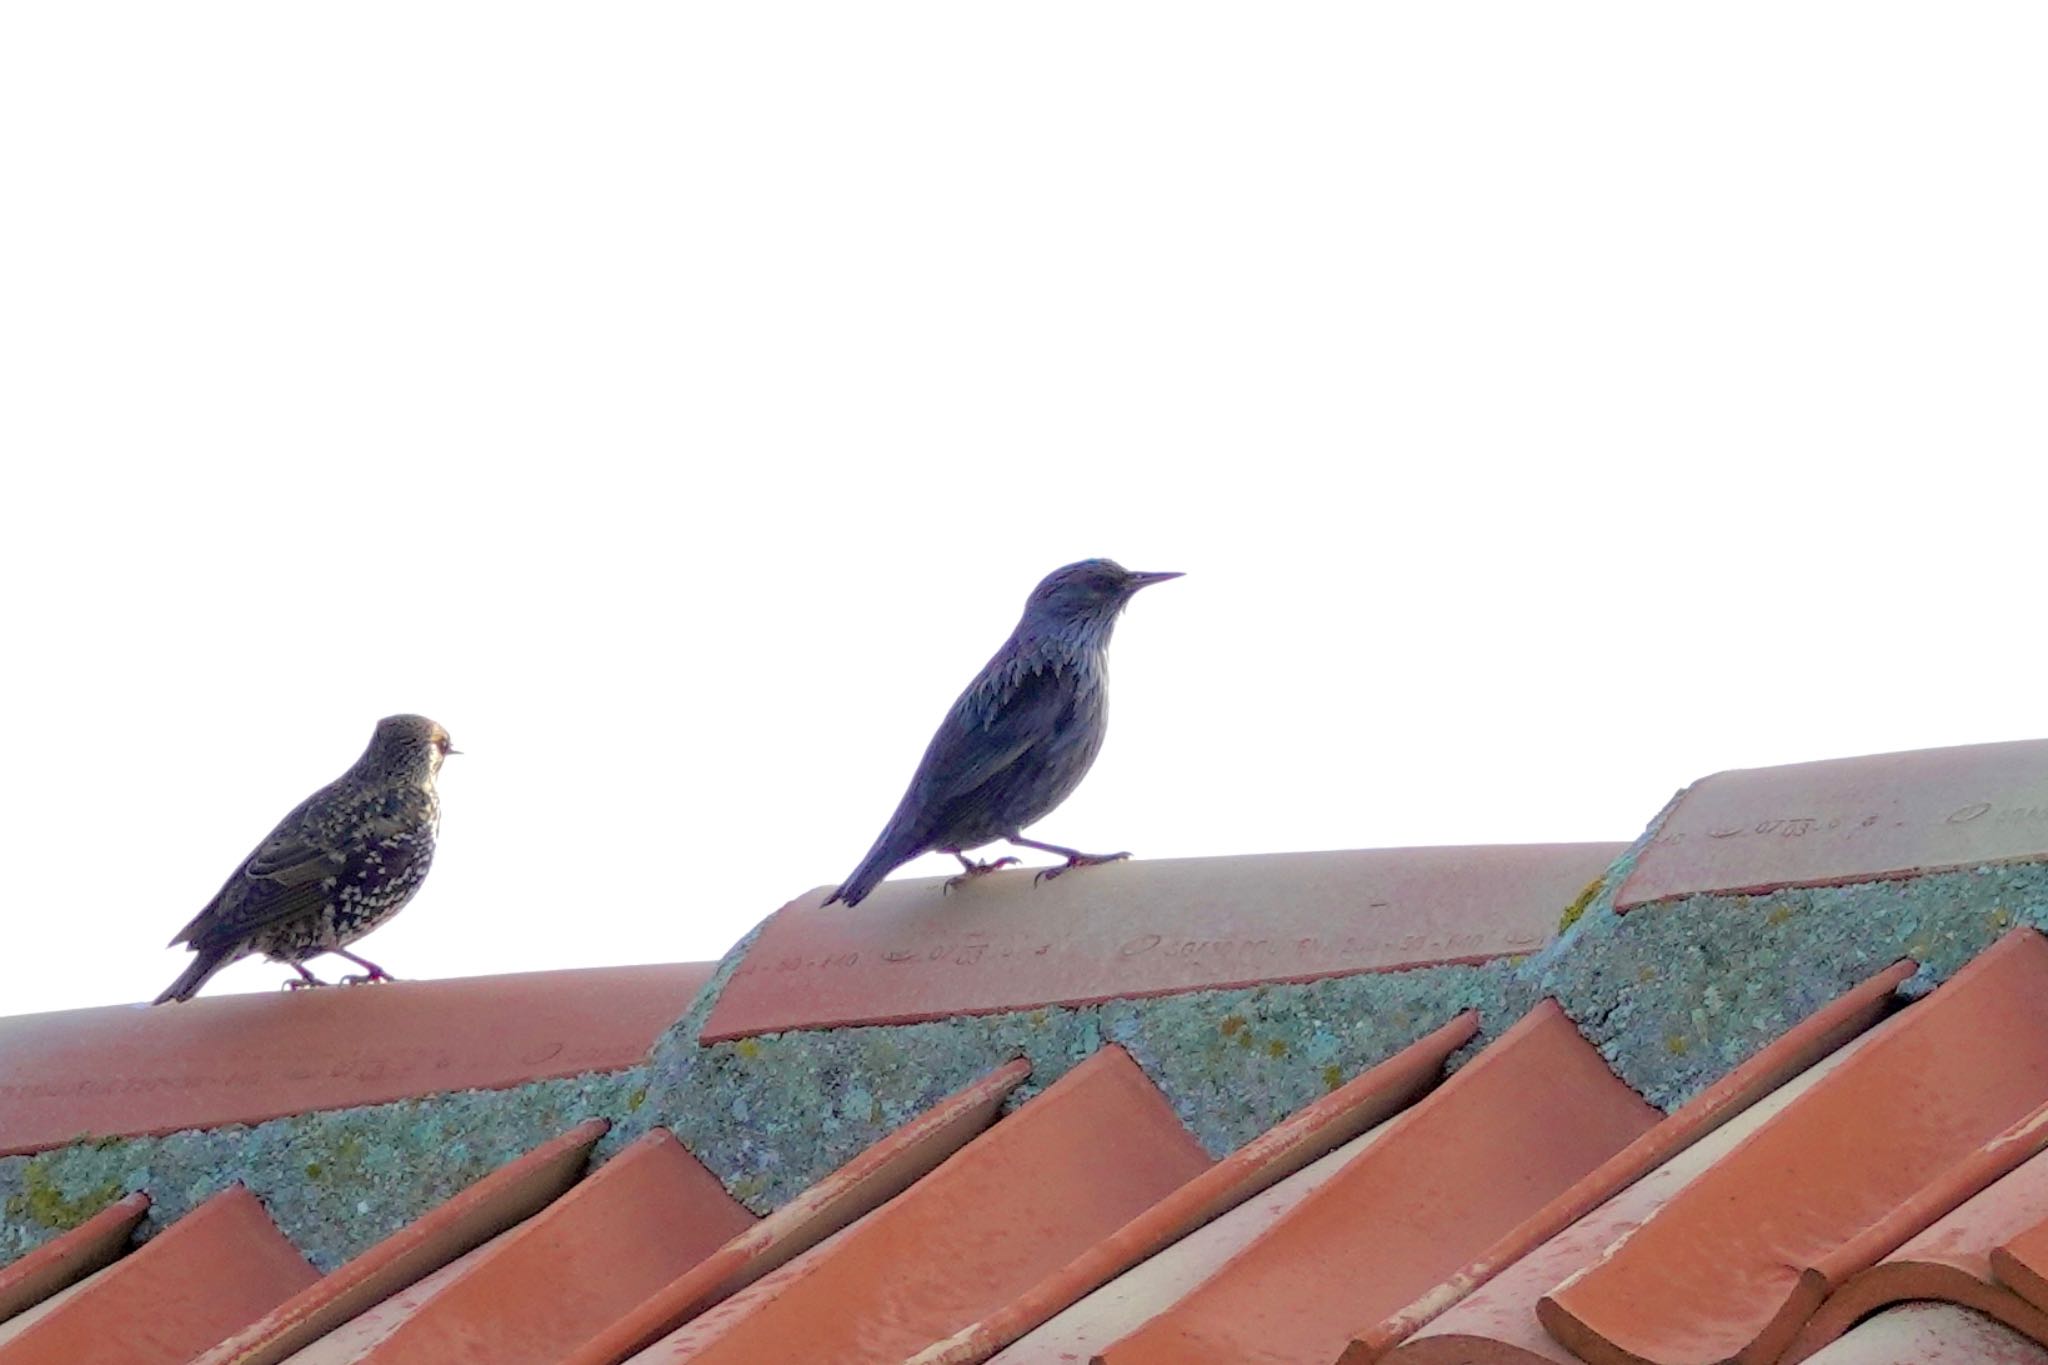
(1276, 1047)
(1578, 907)
(1333, 1076)
(42, 1200)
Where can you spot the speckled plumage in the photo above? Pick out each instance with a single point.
(1021, 737)
(344, 861)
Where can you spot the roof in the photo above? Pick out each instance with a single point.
(1768, 1083)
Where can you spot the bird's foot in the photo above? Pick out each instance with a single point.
(1046, 874)
(303, 982)
(974, 870)
(369, 978)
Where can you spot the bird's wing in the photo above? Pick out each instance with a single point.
(282, 878)
(977, 743)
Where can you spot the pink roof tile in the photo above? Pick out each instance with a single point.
(1127, 1302)
(1531, 1114)
(1813, 1038)
(1951, 1260)
(513, 1192)
(1019, 1201)
(66, 1259)
(1006, 942)
(1282, 1150)
(129, 1070)
(1736, 1261)
(1497, 1324)
(213, 1271)
(539, 1290)
(880, 1173)
(1848, 820)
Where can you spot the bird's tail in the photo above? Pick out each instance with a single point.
(209, 961)
(882, 859)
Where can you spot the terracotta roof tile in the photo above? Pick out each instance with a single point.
(1323, 1125)
(1127, 1302)
(1497, 1322)
(1736, 1261)
(913, 952)
(127, 1070)
(877, 1175)
(1065, 1170)
(1848, 820)
(546, 1286)
(1526, 1118)
(67, 1259)
(2021, 1262)
(513, 1192)
(216, 1269)
(1951, 1260)
(1812, 1039)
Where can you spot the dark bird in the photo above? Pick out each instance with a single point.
(346, 859)
(1020, 738)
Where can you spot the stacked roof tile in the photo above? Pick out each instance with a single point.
(1772, 1087)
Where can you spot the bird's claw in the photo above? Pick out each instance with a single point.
(367, 978)
(976, 870)
(302, 983)
(1046, 874)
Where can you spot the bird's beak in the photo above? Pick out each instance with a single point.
(1146, 580)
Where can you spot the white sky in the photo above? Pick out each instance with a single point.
(1550, 404)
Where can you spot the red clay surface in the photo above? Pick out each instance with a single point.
(66, 1259)
(1622, 1177)
(912, 951)
(1733, 1265)
(218, 1268)
(1515, 1127)
(1848, 820)
(1951, 1261)
(1063, 1172)
(130, 1070)
(1304, 1136)
(640, 1220)
(515, 1191)
(863, 1184)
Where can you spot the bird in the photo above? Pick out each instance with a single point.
(345, 860)
(1019, 739)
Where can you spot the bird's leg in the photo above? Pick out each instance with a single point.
(973, 870)
(1074, 856)
(305, 980)
(371, 971)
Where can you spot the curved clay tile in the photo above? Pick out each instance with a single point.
(542, 1288)
(1530, 1115)
(880, 1173)
(1733, 1265)
(220, 1267)
(125, 1071)
(1496, 1322)
(66, 1259)
(1279, 1152)
(1770, 1067)
(1145, 928)
(514, 1191)
(1021, 1200)
(2021, 1262)
(1846, 820)
(1950, 1261)
(1932, 1334)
